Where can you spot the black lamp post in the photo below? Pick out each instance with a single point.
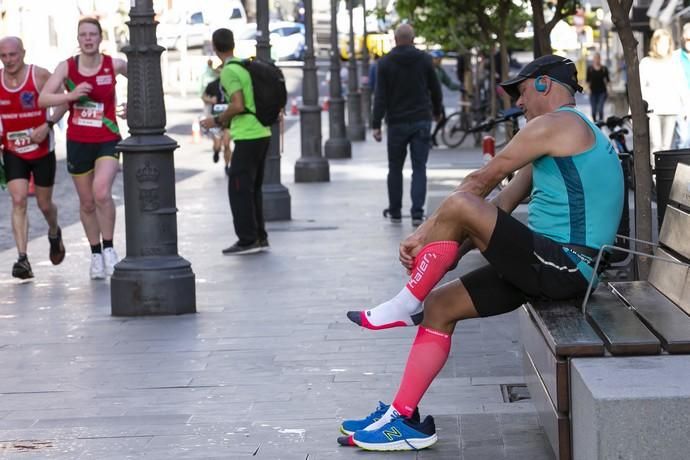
(311, 166)
(355, 127)
(366, 88)
(152, 279)
(338, 145)
(276, 196)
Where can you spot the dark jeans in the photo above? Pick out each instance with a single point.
(244, 189)
(597, 100)
(418, 136)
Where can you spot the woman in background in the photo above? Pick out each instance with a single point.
(665, 90)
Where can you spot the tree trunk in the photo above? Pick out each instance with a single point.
(542, 39)
(620, 14)
(505, 67)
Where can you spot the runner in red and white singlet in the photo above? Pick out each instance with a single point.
(92, 117)
(28, 150)
(20, 115)
(92, 137)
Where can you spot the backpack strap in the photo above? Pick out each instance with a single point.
(243, 64)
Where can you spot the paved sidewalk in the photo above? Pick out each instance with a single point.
(269, 365)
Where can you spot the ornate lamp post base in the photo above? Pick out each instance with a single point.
(276, 202)
(153, 286)
(355, 128)
(276, 197)
(338, 148)
(312, 169)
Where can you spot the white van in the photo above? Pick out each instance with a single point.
(226, 13)
(177, 30)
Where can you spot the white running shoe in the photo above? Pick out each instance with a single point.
(110, 259)
(97, 267)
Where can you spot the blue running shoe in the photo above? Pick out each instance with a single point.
(399, 434)
(350, 426)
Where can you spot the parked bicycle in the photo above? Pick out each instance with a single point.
(455, 129)
(510, 115)
(618, 130)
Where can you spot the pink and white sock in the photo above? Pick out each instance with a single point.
(405, 309)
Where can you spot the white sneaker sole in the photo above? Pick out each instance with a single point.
(243, 252)
(409, 444)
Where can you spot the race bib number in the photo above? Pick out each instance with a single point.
(88, 114)
(217, 109)
(104, 80)
(20, 141)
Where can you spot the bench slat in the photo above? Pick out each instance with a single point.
(667, 277)
(621, 329)
(565, 329)
(668, 322)
(680, 188)
(674, 231)
(553, 371)
(684, 301)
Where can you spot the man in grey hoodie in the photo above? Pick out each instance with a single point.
(407, 95)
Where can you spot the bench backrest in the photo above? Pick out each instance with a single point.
(670, 279)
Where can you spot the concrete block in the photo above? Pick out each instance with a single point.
(633, 408)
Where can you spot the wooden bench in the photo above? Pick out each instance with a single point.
(632, 318)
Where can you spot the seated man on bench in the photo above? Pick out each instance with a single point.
(576, 185)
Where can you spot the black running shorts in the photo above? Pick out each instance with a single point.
(82, 156)
(42, 168)
(523, 265)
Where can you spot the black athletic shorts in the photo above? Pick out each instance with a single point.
(82, 156)
(523, 265)
(43, 168)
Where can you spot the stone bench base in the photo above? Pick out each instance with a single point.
(630, 408)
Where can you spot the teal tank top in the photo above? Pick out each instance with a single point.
(578, 199)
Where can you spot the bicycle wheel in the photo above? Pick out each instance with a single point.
(455, 130)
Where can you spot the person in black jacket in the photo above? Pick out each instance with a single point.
(407, 94)
(598, 80)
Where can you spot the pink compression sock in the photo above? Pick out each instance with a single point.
(431, 264)
(427, 357)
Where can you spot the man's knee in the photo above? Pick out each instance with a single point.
(448, 304)
(436, 308)
(461, 206)
(19, 201)
(45, 204)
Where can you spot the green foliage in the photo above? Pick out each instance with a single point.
(465, 24)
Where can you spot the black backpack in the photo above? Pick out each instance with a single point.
(270, 94)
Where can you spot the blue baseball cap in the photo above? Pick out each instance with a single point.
(437, 53)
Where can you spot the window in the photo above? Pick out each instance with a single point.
(196, 18)
(236, 14)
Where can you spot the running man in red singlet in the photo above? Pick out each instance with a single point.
(92, 135)
(28, 147)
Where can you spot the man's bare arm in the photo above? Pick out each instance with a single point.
(556, 133)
